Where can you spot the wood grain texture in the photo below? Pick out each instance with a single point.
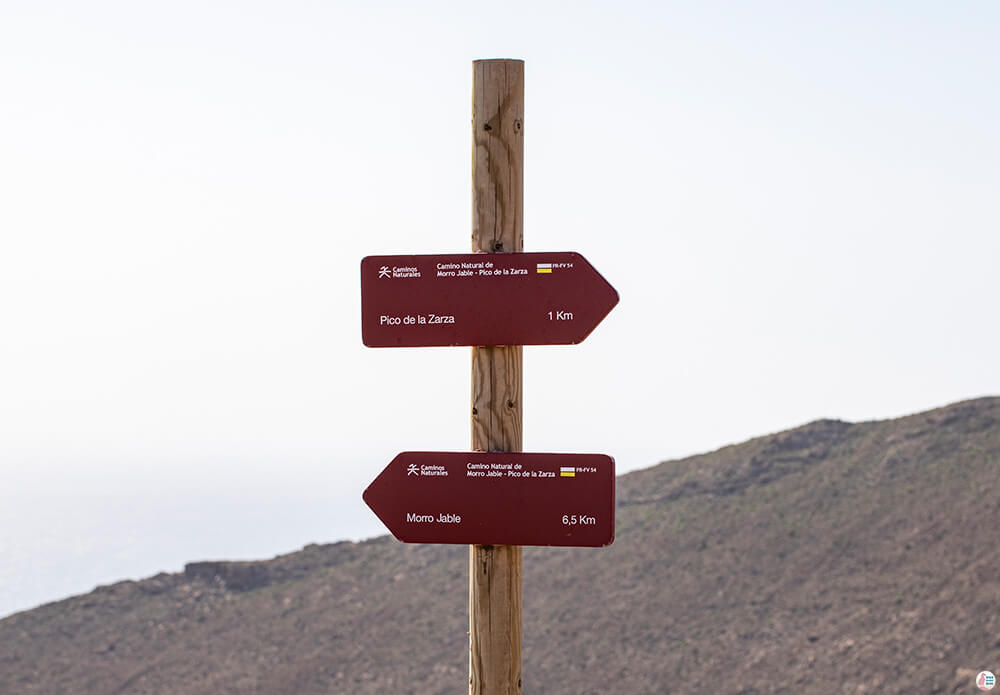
(498, 156)
(497, 227)
(494, 619)
(496, 398)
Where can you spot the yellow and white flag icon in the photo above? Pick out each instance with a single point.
(543, 267)
(567, 471)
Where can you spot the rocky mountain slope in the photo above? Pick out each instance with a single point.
(831, 558)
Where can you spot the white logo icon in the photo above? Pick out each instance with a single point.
(985, 680)
(383, 272)
(411, 469)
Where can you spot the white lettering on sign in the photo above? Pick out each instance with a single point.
(499, 469)
(418, 320)
(405, 271)
(476, 470)
(574, 519)
(487, 269)
(430, 469)
(412, 518)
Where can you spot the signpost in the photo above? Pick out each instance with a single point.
(497, 498)
(495, 299)
(481, 299)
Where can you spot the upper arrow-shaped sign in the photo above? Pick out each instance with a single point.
(481, 299)
(497, 498)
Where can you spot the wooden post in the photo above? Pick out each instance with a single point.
(497, 227)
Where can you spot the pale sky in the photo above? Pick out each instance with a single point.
(797, 203)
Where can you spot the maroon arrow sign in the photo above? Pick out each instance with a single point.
(497, 498)
(481, 299)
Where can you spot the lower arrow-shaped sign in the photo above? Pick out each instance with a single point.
(497, 498)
